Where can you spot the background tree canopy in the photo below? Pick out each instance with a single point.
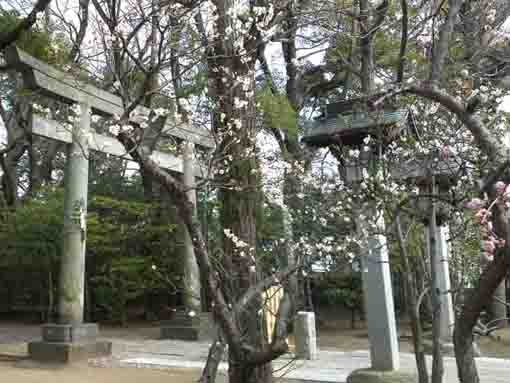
(131, 255)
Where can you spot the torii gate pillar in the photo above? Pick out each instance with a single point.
(72, 269)
(70, 339)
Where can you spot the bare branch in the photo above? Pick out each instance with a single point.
(84, 22)
(440, 51)
(403, 42)
(381, 12)
(484, 138)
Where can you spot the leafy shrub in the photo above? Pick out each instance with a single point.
(129, 252)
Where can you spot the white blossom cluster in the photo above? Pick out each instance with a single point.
(243, 247)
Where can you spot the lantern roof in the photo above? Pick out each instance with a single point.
(348, 122)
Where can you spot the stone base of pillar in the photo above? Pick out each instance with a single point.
(185, 327)
(66, 343)
(368, 375)
(305, 336)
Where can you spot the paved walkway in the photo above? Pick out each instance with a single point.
(331, 366)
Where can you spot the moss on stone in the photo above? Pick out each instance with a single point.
(368, 375)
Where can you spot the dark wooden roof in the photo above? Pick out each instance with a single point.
(351, 129)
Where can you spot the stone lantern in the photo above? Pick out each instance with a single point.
(348, 123)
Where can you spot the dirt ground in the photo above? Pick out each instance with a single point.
(338, 335)
(20, 372)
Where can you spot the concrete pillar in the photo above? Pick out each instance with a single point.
(192, 293)
(72, 269)
(447, 316)
(378, 294)
(305, 335)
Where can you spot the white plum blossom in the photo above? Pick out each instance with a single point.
(240, 104)
(237, 123)
(238, 243)
(114, 129)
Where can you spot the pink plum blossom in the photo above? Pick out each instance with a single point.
(500, 187)
(489, 247)
(443, 152)
(475, 203)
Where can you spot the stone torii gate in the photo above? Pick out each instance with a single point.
(71, 338)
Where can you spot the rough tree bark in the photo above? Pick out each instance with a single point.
(232, 85)
(238, 213)
(412, 307)
(214, 357)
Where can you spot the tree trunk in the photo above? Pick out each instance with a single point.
(422, 277)
(464, 352)
(49, 312)
(234, 122)
(491, 278)
(238, 214)
(498, 306)
(214, 358)
(42, 154)
(366, 49)
(291, 189)
(412, 308)
(242, 373)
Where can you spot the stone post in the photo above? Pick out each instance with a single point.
(72, 269)
(380, 312)
(192, 293)
(447, 316)
(72, 340)
(305, 335)
(378, 294)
